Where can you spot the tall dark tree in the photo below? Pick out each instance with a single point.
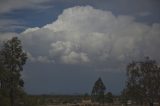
(144, 80)
(98, 91)
(12, 59)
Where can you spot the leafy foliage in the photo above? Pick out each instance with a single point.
(98, 91)
(12, 59)
(143, 80)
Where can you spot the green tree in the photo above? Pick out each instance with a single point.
(144, 80)
(12, 59)
(98, 91)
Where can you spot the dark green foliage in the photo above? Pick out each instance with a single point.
(4, 97)
(98, 91)
(30, 101)
(12, 59)
(143, 83)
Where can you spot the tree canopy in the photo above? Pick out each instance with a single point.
(12, 58)
(98, 91)
(143, 80)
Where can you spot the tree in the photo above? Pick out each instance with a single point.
(144, 80)
(98, 91)
(12, 59)
(4, 93)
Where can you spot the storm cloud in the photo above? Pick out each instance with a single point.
(85, 35)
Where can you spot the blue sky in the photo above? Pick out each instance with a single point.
(70, 43)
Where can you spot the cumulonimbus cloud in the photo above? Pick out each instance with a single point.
(87, 35)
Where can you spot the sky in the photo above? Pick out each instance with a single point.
(71, 43)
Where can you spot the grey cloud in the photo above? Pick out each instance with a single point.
(6, 36)
(11, 25)
(39, 59)
(10, 5)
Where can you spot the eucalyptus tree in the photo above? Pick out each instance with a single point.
(98, 91)
(13, 58)
(144, 80)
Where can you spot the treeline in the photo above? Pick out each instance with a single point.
(67, 99)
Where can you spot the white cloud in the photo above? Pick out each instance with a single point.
(68, 53)
(88, 35)
(74, 57)
(40, 59)
(30, 57)
(43, 59)
(30, 30)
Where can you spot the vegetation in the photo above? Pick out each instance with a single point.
(98, 91)
(12, 58)
(143, 84)
(109, 97)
